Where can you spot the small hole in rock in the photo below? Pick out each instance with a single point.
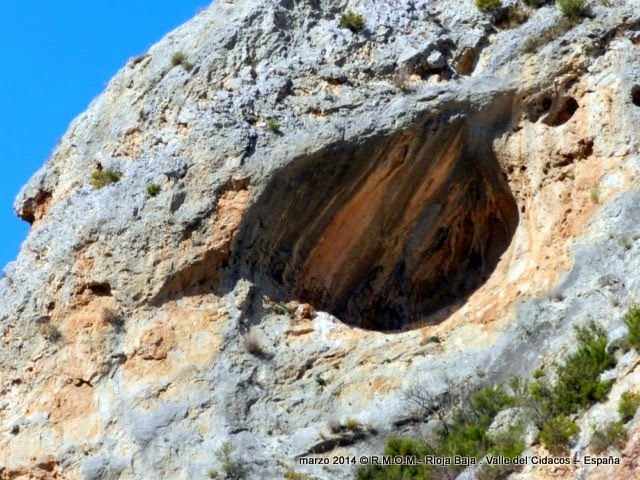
(100, 289)
(635, 96)
(563, 114)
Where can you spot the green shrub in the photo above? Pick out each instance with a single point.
(509, 444)
(578, 381)
(571, 8)
(352, 21)
(464, 431)
(489, 401)
(632, 321)
(556, 434)
(180, 58)
(177, 58)
(352, 424)
(273, 126)
(102, 178)
(546, 167)
(231, 467)
(153, 189)
(213, 473)
(628, 405)
(405, 447)
(488, 4)
(292, 475)
(465, 435)
(614, 434)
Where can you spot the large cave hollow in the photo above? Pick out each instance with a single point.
(383, 232)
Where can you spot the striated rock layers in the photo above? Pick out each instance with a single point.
(450, 191)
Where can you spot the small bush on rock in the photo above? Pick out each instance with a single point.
(293, 475)
(50, 332)
(111, 317)
(273, 126)
(101, 178)
(232, 468)
(352, 424)
(614, 434)
(488, 4)
(180, 58)
(629, 403)
(352, 21)
(578, 381)
(632, 321)
(571, 8)
(403, 447)
(253, 342)
(556, 434)
(153, 189)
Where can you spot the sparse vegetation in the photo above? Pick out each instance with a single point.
(100, 178)
(253, 342)
(281, 308)
(571, 8)
(401, 80)
(578, 381)
(465, 434)
(334, 425)
(594, 194)
(556, 434)
(213, 473)
(546, 167)
(614, 434)
(629, 403)
(509, 444)
(398, 446)
(273, 126)
(624, 242)
(352, 424)
(232, 468)
(112, 317)
(292, 475)
(632, 321)
(50, 332)
(511, 16)
(352, 21)
(153, 189)
(488, 4)
(180, 58)
(464, 420)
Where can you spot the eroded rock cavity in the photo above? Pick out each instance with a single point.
(386, 231)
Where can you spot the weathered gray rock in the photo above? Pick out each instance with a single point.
(485, 199)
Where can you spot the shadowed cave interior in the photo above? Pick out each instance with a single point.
(384, 232)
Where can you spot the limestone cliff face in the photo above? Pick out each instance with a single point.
(433, 175)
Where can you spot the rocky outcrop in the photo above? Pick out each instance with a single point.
(448, 189)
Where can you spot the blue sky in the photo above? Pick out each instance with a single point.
(55, 57)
